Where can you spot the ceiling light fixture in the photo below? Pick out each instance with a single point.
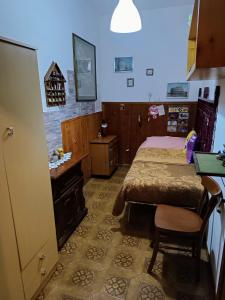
(125, 18)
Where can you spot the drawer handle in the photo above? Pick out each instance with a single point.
(42, 257)
(10, 131)
(43, 272)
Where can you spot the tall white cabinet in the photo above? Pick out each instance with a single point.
(28, 250)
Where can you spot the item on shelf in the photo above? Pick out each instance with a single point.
(54, 157)
(104, 126)
(99, 134)
(60, 152)
(53, 164)
(55, 86)
(221, 155)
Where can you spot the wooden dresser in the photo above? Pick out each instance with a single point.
(69, 203)
(104, 155)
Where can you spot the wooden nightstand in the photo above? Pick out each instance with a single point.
(104, 155)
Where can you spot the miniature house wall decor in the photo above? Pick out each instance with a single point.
(55, 86)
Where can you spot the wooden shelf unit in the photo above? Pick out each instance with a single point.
(55, 86)
(206, 43)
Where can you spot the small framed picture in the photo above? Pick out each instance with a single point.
(149, 72)
(130, 82)
(178, 90)
(123, 64)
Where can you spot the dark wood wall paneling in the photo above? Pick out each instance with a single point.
(129, 121)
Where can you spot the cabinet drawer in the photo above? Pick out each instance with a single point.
(65, 181)
(38, 269)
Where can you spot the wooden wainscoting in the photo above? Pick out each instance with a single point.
(76, 136)
(129, 121)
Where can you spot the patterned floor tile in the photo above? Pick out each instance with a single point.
(116, 286)
(110, 220)
(82, 231)
(95, 253)
(104, 235)
(124, 260)
(130, 241)
(83, 277)
(149, 292)
(69, 248)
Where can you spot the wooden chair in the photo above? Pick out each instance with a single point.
(175, 223)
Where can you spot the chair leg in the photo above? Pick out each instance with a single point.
(198, 261)
(152, 243)
(129, 212)
(193, 249)
(154, 254)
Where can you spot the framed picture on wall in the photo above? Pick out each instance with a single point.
(123, 64)
(130, 82)
(84, 57)
(149, 72)
(178, 90)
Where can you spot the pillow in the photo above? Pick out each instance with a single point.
(190, 134)
(190, 147)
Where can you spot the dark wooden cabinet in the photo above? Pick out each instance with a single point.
(205, 124)
(69, 202)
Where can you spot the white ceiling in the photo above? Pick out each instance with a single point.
(107, 6)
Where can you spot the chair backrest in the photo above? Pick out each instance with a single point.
(211, 198)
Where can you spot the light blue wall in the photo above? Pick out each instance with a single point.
(161, 44)
(48, 25)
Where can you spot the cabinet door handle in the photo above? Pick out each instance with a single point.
(42, 257)
(10, 131)
(139, 120)
(43, 272)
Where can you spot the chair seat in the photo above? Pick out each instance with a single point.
(177, 219)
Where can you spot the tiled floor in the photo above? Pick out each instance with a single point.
(106, 258)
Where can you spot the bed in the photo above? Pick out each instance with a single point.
(160, 174)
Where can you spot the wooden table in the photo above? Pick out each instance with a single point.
(207, 164)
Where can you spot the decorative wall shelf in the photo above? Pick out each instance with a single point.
(55, 86)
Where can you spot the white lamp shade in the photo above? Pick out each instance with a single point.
(125, 18)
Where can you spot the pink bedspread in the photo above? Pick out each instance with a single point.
(168, 142)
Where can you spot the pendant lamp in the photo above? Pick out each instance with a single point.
(125, 18)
